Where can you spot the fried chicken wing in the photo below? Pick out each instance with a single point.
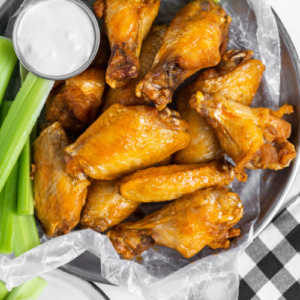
(171, 182)
(58, 196)
(204, 218)
(126, 95)
(195, 39)
(255, 138)
(125, 139)
(105, 207)
(204, 145)
(75, 102)
(237, 77)
(127, 24)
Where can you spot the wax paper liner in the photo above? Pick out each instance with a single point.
(162, 273)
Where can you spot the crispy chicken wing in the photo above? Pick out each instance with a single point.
(204, 145)
(105, 207)
(127, 23)
(58, 197)
(171, 182)
(255, 138)
(125, 139)
(75, 102)
(195, 39)
(126, 95)
(237, 77)
(204, 218)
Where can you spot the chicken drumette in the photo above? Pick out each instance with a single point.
(105, 207)
(171, 182)
(195, 39)
(127, 23)
(204, 218)
(125, 95)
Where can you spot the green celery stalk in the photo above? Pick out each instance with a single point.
(3, 290)
(8, 60)
(25, 234)
(20, 120)
(8, 197)
(4, 108)
(31, 289)
(25, 194)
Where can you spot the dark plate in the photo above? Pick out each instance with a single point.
(273, 194)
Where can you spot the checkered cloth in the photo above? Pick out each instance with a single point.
(270, 267)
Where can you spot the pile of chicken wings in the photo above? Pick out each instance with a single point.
(111, 143)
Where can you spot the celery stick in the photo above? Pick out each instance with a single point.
(31, 289)
(8, 60)
(25, 234)
(8, 197)
(20, 121)
(3, 290)
(25, 194)
(4, 108)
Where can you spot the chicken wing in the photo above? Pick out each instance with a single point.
(75, 102)
(195, 39)
(237, 77)
(125, 139)
(127, 24)
(171, 182)
(204, 145)
(58, 197)
(187, 225)
(255, 138)
(105, 207)
(126, 95)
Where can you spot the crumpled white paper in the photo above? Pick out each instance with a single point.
(163, 273)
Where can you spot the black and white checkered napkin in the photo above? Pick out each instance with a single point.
(270, 267)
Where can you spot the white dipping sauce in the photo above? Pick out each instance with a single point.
(55, 37)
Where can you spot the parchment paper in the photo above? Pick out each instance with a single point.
(163, 273)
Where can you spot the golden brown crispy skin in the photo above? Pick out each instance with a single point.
(255, 138)
(127, 24)
(105, 207)
(186, 225)
(58, 197)
(125, 139)
(126, 95)
(237, 77)
(171, 182)
(195, 39)
(75, 102)
(204, 145)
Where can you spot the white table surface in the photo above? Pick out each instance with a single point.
(288, 11)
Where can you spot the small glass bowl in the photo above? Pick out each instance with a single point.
(59, 77)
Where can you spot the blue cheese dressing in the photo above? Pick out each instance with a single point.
(55, 37)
